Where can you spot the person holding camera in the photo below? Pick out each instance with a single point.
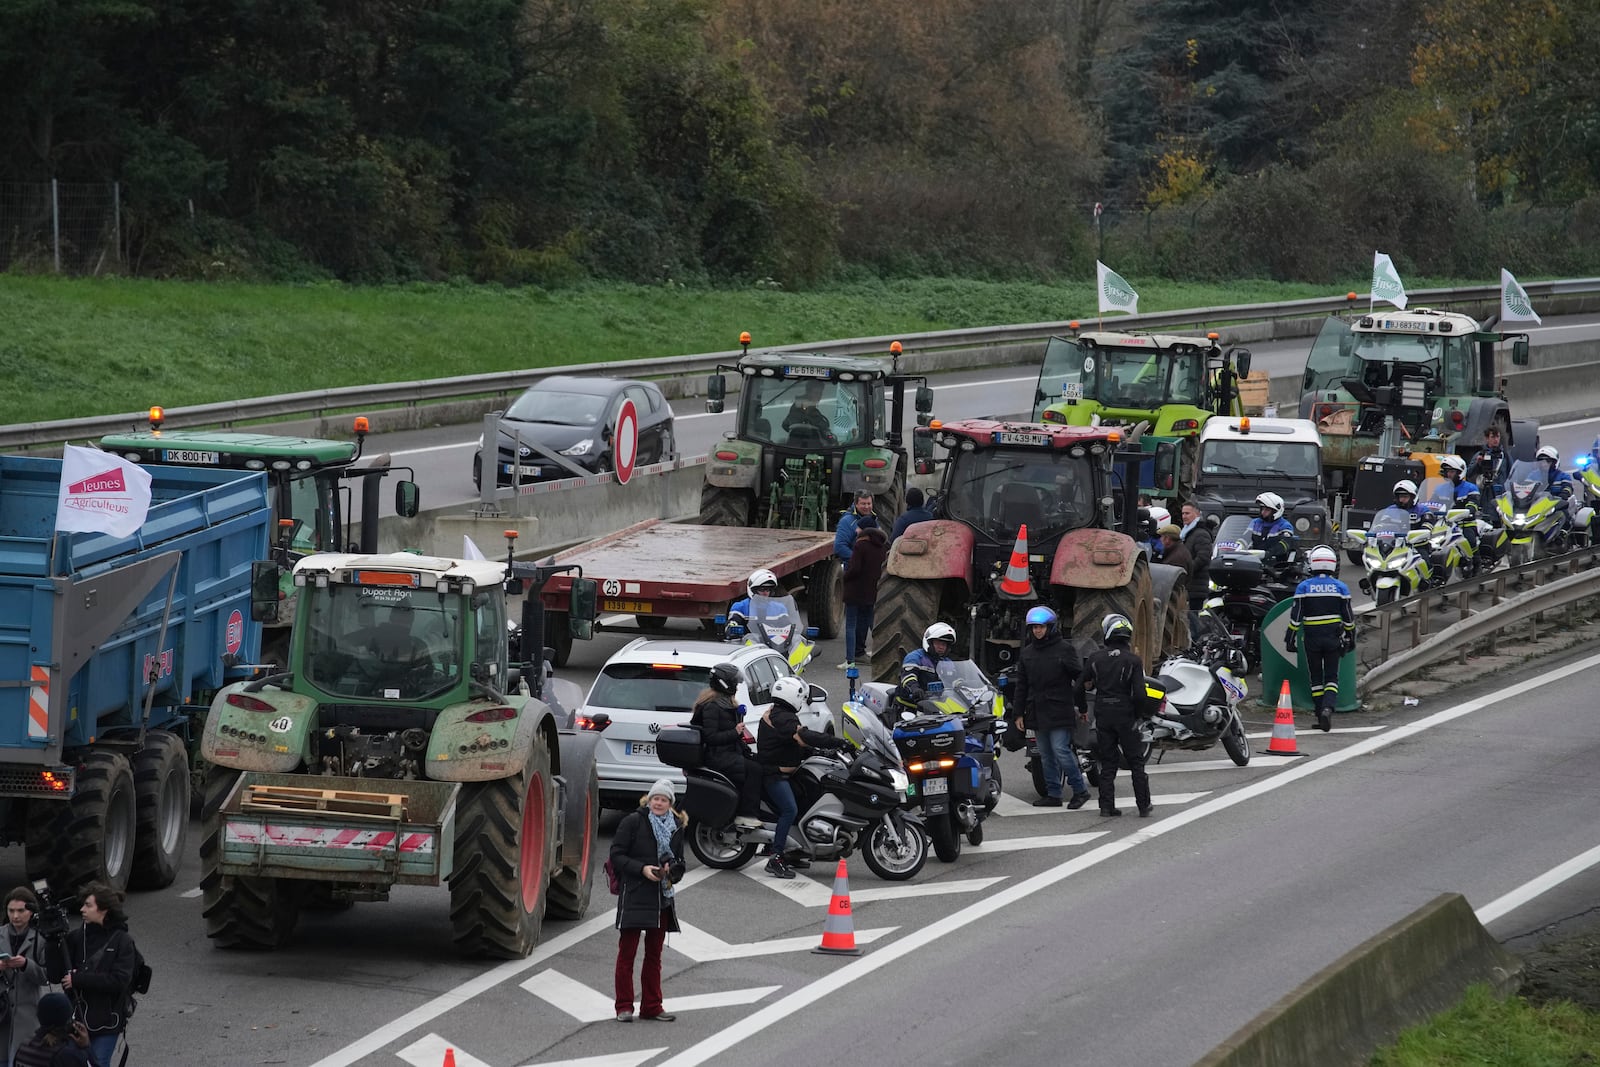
(59, 1041)
(101, 958)
(647, 854)
(22, 973)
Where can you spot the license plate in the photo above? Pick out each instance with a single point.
(188, 455)
(641, 748)
(1022, 438)
(935, 786)
(629, 607)
(521, 472)
(1071, 390)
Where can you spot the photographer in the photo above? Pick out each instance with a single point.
(60, 1041)
(102, 963)
(647, 853)
(22, 973)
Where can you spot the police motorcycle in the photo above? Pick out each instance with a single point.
(1586, 483)
(1449, 551)
(772, 619)
(1245, 586)
(1199, 693)
(1535, 522)
(1392, 552)
(848, 800)
(949, 744)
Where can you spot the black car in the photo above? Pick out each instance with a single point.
(576, 418)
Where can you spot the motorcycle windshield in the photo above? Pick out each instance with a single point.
(1435, 496)
(963, 678)
(775, 621)
(874, 737)
(1390, 524)
(1527, 484)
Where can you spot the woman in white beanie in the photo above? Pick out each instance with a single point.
(647, 854)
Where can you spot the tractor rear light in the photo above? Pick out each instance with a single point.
(249, 703)
(726, 455)
(1457, 419)
(1186, 424)
(1054, 416)
(500, 714)
(875, 464)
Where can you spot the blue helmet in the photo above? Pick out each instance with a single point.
(1041, 616)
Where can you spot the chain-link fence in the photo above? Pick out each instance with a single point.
(65, 227)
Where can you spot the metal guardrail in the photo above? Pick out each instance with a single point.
(1472, 626)
(323, 402)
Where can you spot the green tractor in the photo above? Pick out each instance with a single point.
(1171, 383)
(813, 430)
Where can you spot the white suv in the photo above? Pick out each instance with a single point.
(653, 683)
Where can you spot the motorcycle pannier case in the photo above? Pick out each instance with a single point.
(712, 801)
(936, 735)
(1237, 570)
(679, 746)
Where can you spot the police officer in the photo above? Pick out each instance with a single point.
(1322, 617)
(1405, 498)
(1116, 676)
(920, 668)
(724, 735)
(1047, 670)
(1558, 483)
(1454, 469)
(1271, 531)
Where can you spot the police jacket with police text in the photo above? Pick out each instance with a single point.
(1115, 675)
(1322, 611)
(1277, 537)
(1047, 672)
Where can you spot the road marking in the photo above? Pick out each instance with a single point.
(1010, 805)
(1264, 734)
(750, 1025)
(1257, 760)
(810, 893)
(1538, 886)
(589, 1005)
(695, 943)
(192, 893)
(1565, 425)
(1019, 844)
(430, 1050)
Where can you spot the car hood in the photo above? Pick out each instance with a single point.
(551, 435)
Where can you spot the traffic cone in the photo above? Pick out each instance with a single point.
(1282, 743)
(449, 1058)
(1016, 582)
(839, 932)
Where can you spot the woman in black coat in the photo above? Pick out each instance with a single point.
(723, 734)
(647, 854)
(102, 962)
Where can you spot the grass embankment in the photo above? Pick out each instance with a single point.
(1484, 1032)
(77, 347)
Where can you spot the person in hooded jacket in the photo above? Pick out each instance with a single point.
(723, 733)
(861, 575)
(1116, 676)
(647, 854)
(101, 957)
(1047, 671)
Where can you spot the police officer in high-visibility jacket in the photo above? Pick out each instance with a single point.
(1322, 614)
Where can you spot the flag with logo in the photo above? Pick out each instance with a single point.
(1514, 303)
(1386, 282)
(469, 548)
(1115, 292)
(101, 493)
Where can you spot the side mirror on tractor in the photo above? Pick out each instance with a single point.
(716, 392)
(1241, 361)
(407, 499)
(1519, 352)
(924, 399)
(1166, 472)
(582, 614)
(264, 578)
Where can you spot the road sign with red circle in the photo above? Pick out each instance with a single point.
(625, 441)
(233, 636)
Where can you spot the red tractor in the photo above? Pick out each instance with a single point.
(1087, 543)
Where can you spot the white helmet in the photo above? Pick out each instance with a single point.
(1548, 452)
(1453, 462)
(1323, 560)
(763, 579)
(939, 631)
(791, 691)
(1406, 485)
(1273, 501)
(1159, 515)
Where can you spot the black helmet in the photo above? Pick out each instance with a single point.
(725, 678)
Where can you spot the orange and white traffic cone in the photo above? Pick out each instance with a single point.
(1282, 743)
(1016, 582)
(839, 932)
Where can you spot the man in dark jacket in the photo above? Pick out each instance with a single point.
(916, 511)
(861, 574)
(1047, 670)
(1116, 675)
(1174, 553)
(1196, 536)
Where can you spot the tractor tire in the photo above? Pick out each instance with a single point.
(906, 606)
(240, 912)
(504, 850)
(161, 805)
(1090, 606)
(89, 838)
(652, 624)
(825, 598)
(724, 507)
(1170, 605)
(571, 885)
(888, 506)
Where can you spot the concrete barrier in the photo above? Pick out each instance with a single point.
(1415, 969)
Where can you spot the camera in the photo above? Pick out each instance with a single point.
(52, 917)
(664, 868)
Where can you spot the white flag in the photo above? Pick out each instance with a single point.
(1386, 281)
(1115, 292)
(1514, 303)
(101, 493)
(469, 548)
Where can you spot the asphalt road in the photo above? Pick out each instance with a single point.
(1126, 941)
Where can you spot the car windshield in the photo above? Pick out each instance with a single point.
(557, 408)
(649, 686)
(808, 412)
(1131, 377)
(383, 642)
(996, 490)
(1260, 457)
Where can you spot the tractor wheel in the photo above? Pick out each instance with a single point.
(240, 912)
(906, 606)
(1090, 606)
(1170, 606)
(888, 506)
(161, 806)
(570, 886)
(89, 838)
(724, 507)
(503, 854)
(825, 598)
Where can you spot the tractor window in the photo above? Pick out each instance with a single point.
(382, 642)
(489, 617)
(1457, 366)
(807, 412)
(309, 532)
(996, 491)
(1332, 359)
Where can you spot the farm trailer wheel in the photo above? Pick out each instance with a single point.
(1091, 606)
(503, 855)
(240, 912)
(573, 881)
(89, 838)
(161, 806)
(825, 598)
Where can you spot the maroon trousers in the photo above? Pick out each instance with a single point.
(649, 979)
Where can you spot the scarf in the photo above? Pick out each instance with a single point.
(663, 825)
(1188, 528)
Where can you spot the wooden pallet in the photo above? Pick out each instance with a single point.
(342, 802)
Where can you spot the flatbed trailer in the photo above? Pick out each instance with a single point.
(656, 570)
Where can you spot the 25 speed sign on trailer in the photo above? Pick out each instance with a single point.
(625, 441)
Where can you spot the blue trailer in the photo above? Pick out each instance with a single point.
(106, 644)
